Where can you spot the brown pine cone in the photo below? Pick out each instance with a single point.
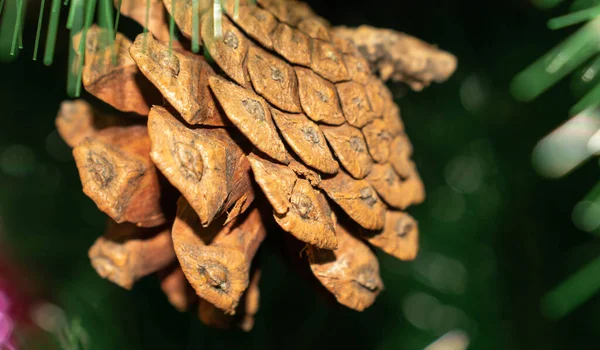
(284, 128)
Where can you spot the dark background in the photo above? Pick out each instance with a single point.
(495, 236)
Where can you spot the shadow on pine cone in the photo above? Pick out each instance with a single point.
(289, 120)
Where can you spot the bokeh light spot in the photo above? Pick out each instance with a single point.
(464, 174)
(17, 160)
(445, 274)
(417, 307)
(586, 215)
(447, 205)
(6, 328)
(474, 93)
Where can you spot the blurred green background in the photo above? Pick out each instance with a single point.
(495, 236)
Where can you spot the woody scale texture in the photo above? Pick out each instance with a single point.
(284, 129)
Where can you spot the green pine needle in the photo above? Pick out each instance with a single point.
(146, 21)
(557, 63)
(546, 4)
(118, 16)
(574, 18)
(39, 30)
(52, 30)
(579, 5)
(236, 9)
(89, 16)
(71, 15)
(78, 24)
(586, 214)
(80, 17)
(17, 30)
(22, 24)
(147, 17)
(217, 19)
(574, 291)
(591, 99)
(195, 26)
(172, 26)
(586, 77)
(105, 20)
(572, 53)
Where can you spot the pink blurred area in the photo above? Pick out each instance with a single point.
(16, 303)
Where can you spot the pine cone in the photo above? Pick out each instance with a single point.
(286, 128)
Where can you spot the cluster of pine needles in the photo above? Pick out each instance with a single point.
(82, 14)
(575, 141)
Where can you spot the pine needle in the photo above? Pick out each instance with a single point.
(118, 16)
(546, 4)
(147, 17)
(591, 99)
(574, 291)
(217, 19)
(146, 21)
(557, 63)
(586, 214)
(586, 77)
(39, 30)
(105, 20)
(579, 5)
(77, 27)
(22, 24)
(52, 30)
(195, 26)
(71, 16)
(17, 29)
(236, 9)
(574, 18)
(172, 26)
(89, 16)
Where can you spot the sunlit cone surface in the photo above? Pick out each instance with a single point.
(285, 128)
